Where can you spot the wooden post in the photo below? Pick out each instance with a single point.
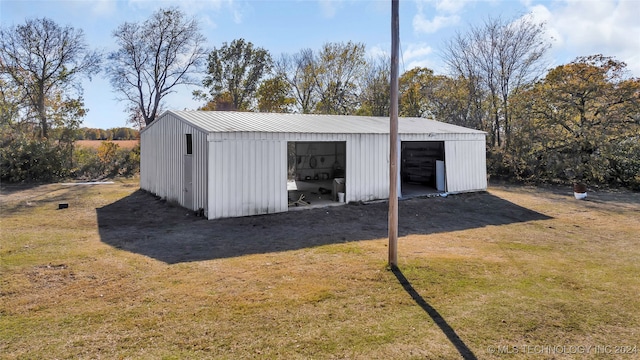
(393, 138)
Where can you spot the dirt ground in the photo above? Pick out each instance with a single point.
(144, 224)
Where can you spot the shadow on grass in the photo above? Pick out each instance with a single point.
(10, 188)
(143, 224)
(36, 195)
(451, 334)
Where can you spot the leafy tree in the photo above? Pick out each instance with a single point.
(234, 73)
(413, 89)
(120, 133)
(273, 95)
(41, 64)
(575, 124)
(69, 112)
(107, 152)
(153, 57)
(339, 67)
(220, 102)
(42, 61)
(375, 97)
(10, 104)
(92, 134)
(327, 82)
(450, 101)
(495, 60)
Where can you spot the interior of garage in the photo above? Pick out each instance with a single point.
(421, 168)
(316, 173)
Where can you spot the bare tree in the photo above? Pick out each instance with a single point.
(495, 59)
(375, 98)
(155, 56)
(43, 62)
(300, 69)
(326, 82)
(135, 117)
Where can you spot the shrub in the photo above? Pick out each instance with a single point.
(87, 164)
(24, 159)
(625, 164)
(107, 161)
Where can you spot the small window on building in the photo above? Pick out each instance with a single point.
(189, 144)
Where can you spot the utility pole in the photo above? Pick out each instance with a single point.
(393, 138)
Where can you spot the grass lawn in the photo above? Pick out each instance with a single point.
(562, 284)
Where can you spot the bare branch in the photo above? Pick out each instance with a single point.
(154, 57)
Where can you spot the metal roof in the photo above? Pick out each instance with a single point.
(231, 121)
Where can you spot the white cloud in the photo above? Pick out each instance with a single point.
(377, 51)
(103, 7)
(423, 25)
(329, 7)
(203, 11)
(411, 56)
(583, 27)
(207, 22)
(191, 7)
(450, 6)
(540, 14)
(446, 15)
(424, 63)
(443, 6)
(416, 55)
(416, 50)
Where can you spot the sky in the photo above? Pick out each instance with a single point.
(573, 27)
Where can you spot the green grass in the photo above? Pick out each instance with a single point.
(569, 280)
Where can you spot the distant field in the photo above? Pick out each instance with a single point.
(125, 144)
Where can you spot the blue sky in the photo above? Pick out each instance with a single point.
(575, 27)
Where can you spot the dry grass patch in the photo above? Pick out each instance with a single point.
(514, 266)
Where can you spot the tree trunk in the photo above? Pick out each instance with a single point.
(42, 113)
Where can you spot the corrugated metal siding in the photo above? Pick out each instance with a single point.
(247, 177)
(367, 168)
(162, 150)
(466, 166)
(367, 161)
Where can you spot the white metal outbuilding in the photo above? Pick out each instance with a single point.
(231, 164)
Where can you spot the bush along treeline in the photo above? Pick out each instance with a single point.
(580, 123)
(108, 160)
(121, 133)
(577, 122)
(27, 158)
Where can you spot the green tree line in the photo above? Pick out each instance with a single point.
(120, 133)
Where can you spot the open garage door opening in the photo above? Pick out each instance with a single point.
(422, 168)
(316, 173)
